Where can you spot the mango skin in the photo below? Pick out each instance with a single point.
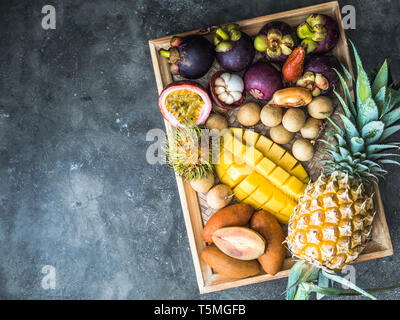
(234, 215)
(266, 224)
(227, 266)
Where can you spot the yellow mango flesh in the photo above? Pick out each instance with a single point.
(261, 173)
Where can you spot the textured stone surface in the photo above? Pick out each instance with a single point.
(76, 191)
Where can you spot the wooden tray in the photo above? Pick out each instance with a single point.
(195, 211)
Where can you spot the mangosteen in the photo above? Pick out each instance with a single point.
(227, 90)
(262, 80)
(191, 57)
(320, 33)
(276, 40)
(319, 75)
(234, 49)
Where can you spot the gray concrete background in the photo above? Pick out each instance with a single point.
(76, 191)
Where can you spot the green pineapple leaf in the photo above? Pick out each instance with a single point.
(351, 129)
(300, 272)
(367, 112)
(337, 128)
(346, 109)
(389, 131)
(389, 161)
(363, 87)
(381, 79)
(372, 131)
(347, 95)
(357, 144)
(375, 148)
(347, 283)
(378, 156)
(392, 99)
(391, 117)
(380, 99)
(347, 73)
(341, 141)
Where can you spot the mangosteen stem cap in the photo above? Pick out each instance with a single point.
(235, 35)
(231, 26)
(224, 46)
(175, 41)
(221, 32)
(165, 53)
(261, 42)
(316, 33)
(174, 55)
(309, 45)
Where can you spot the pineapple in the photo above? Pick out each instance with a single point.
(333, 219)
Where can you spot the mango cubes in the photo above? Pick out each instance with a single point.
(261, 173)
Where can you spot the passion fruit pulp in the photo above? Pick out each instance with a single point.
(184, 102)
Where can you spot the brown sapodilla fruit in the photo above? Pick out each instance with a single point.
(239, 242)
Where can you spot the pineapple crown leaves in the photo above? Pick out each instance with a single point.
(306, 279)
(361, 150)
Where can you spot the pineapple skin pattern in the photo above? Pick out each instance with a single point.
(331, 223)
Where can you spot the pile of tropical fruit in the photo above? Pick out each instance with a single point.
(328, 220)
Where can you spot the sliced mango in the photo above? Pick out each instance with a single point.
(239, 148)
(265, 167)
(261, 173)
(278, 177)
(251, 137)
(277, 202)
(227, 141)
(226, 179)
(289, 209)
(238, 132)
(276, 153)
(252, 156)
(299, 172)
(287, 162)
(225, 159)
(263, 193)
(251, 183)
(264, 144)
(238, 172)
(252, 201)
(240, 195)
(294, 186)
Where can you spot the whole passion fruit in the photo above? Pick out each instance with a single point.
(227, 90)
(184, 102)
(191, 57)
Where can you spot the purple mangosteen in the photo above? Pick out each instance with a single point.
(319, 33)
(262, 80)
(234, 49)
(191, 57)
(276, 40)
(319, 75)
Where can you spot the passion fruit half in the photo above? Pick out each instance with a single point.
(229, 86)
(184, 102)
